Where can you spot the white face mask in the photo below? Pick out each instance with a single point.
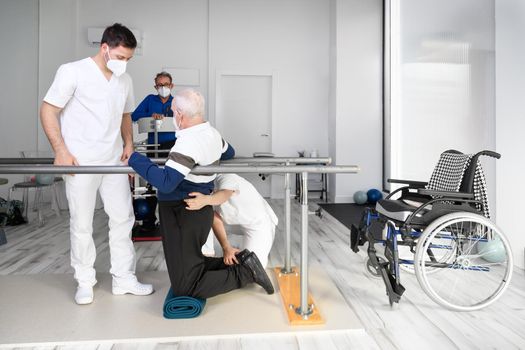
(118, 67)
(164, 91)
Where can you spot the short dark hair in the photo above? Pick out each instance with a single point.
(163, 74)
(119, 35)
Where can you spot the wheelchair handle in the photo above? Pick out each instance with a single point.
(489, 153)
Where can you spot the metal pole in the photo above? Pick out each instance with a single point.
(287, 226)
(304, 310)
(156, 137)
(282, 160)
(236, 160)
(120, 169)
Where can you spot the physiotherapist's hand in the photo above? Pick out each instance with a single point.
(126, 153)
(65, 158)
(198, 201)
(126, 163)
(229, 255)
(157, 116)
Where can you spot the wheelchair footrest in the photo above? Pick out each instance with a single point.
(356, 238)
(394, 290)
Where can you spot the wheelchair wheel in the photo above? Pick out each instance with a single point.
(370, 268)
(463, 261)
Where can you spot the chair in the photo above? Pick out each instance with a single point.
(38, 186)
(441, 231)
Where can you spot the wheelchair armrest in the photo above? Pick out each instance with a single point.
(410, 183)
(463, 195)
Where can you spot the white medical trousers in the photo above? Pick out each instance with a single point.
(258, 238)
(81, 191)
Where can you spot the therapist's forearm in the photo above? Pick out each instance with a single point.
(219, 197)
(219, 231)
(126, 129)
(49, 118)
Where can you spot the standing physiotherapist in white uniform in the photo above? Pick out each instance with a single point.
(93, 98)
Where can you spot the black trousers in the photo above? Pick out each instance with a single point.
(184, 232)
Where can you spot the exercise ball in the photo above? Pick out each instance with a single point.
(142, 208)
(374, 195)
(492, 250)
(360, 197)
(44, 179)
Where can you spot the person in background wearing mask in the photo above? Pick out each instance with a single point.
(158, 107)
(93, 98)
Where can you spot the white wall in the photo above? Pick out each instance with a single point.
(57, 44)
(510, 121)
(19, 72)
(290, 39)
(356, 95)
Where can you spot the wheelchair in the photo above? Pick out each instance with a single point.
(441, 231)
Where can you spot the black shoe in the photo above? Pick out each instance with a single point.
(242, 255)
(259, 274)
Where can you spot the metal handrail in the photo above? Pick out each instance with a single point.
(236, 160)
(218, 169)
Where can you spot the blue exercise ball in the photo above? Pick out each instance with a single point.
(360, 197)
(374, 195)
(141, 208)
(44, 179)
(492, 250)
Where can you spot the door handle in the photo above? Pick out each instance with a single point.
(265, 135)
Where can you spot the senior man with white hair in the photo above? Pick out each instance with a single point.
(184, 232)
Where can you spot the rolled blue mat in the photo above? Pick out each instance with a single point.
(182, 307)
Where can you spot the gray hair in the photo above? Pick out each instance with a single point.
(163, 74)
(190, 103)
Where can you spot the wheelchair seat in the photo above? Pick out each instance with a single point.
(455, 172)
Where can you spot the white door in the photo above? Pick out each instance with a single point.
(243, 116)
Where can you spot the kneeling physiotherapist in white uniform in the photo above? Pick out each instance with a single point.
(94, 98)
(237, 202)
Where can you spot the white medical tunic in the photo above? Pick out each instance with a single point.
(92, 110)
(246, 206)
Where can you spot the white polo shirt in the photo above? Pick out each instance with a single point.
(246, 206)
(92, 110)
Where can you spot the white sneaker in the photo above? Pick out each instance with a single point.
(131, 286)
(84, 295)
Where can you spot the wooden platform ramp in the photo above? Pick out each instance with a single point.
(290, 290)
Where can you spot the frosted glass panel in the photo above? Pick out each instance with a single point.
(442, 67)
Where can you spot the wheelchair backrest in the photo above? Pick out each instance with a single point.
(458, 172)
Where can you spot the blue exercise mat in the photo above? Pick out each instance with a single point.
(182, 307)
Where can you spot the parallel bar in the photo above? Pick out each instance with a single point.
(156, 138)
(304, 310)
(283, 160)
(287, 226)
(119, 169)
(236, 160)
